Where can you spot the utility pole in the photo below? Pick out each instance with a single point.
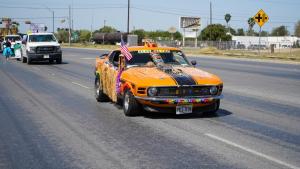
(92, 25)
(210, 7)
(69, 25)
(52, 11)
(128, 16)
(52, 21)
(72, 15)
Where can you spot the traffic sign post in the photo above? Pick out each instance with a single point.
(260, 18)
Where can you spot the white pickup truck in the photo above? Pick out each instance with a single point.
(41, 47)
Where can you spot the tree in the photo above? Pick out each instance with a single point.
(140, 32)
(106, 29)
(62, 35)
(251, 23)
(177, 35)
(232, 31)
(84, 35)
(217, 31)
(240, 32)
(264, 33)
(297, 29)
(280, 31)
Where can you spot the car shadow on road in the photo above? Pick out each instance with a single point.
(158, 115)
(47, 63)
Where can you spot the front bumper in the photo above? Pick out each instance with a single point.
(44, 56)
(184, 100)
(168, 105)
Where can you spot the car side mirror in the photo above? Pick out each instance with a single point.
(60, 41)
(193, 62)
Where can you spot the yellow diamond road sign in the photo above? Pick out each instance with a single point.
(261, 18)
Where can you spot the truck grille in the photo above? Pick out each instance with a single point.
(45, 49)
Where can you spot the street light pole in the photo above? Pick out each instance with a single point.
(52, 21)
(128, 16)
(52, 11)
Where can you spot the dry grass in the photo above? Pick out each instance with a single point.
(286, 54)
(88, 45)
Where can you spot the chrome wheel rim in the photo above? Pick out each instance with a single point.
(126, 101)
(97, 88)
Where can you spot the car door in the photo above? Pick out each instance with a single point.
(110, 74)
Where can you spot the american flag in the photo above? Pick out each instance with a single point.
(125, 51)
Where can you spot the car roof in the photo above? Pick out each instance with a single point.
(40, 34)
(12, 35)
(136, 48)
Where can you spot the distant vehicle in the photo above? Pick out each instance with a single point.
(108, 38)
(40, 47)
(156, 79)
(13, 39)
(256, 47)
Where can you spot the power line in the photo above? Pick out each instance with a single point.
(60, 8)
(61, 17)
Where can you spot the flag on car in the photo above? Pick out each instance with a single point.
(125, 51)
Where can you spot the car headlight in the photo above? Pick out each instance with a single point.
(152, 91)
(31, 49)
(58, 49)
(213, 90)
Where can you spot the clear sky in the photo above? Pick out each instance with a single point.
(149, 14)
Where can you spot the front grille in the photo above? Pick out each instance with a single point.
(45, 49)
(183, 91)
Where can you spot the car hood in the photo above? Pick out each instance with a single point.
(35, 44)
(179, 75)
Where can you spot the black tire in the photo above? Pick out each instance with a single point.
(131, 106)
(24, 59)
(29, 60)
(50, 61)
(59, 60)
(100, 96)
(215, 108)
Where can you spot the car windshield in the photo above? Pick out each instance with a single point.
(13, 38)
(170, 57)
(42, 38)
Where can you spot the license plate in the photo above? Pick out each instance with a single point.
(46, 56)
(184, 109)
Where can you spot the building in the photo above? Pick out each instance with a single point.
(277, 41)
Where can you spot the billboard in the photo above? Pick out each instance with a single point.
(190, 34)
(190, 22)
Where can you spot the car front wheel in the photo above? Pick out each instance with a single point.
(131, 107)
(215, 108)
(24, 59)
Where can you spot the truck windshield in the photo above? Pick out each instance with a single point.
(42, 38)
(174, 57)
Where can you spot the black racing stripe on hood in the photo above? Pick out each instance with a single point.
(183, 79)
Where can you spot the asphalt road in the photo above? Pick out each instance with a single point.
(50, 119)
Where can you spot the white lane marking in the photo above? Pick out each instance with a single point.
(87, 58)
(78, 84)
(251, 151)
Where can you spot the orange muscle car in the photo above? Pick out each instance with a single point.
(156, 79)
